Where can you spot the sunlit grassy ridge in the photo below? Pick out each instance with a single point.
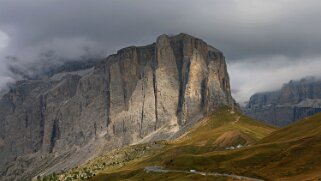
(225, 121)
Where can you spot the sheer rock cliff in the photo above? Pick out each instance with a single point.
(140, 94)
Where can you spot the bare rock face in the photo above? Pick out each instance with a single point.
(139, 94)
(295, 100)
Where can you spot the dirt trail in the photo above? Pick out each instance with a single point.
(162, 170)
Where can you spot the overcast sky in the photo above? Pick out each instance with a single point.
(266, 42)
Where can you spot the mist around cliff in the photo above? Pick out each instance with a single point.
(250, 77)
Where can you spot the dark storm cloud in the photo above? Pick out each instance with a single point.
(248, 31)
(242, 28)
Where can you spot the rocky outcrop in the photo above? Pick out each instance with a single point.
(139, 94)
(296, 100)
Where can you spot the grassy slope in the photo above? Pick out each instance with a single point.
(208, 130)
(197, 149)
(308, 127)
(291, 153)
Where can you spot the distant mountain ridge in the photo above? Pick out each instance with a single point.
(294, 101)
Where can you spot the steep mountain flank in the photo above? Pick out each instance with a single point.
(140, 94)
(296, 100)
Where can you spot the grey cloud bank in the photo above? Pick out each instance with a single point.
(266, 43)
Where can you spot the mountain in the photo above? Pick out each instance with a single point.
(138, 95)
(288, 154)
(295, 100)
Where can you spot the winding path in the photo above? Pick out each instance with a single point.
(162, 170)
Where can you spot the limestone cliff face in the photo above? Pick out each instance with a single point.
(139, 94)
(294, 101)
